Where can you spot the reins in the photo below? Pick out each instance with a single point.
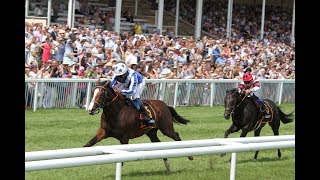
(238, 104)
(117, 94)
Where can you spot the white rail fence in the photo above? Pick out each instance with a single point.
(71, 93)
(63, 158)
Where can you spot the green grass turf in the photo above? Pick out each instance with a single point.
(71, 128)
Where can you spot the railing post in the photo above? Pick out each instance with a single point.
(164, 85)
(74, 94)
(118, 170)
(212, 86)
(88, 95)
(233, 166)
(42, 93)
(175, 94)
(187, 98)
(280, 92)
(35, 97)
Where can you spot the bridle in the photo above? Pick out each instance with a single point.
(105, 98)
(236, 106)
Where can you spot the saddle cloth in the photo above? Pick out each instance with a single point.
(269, 113)
(149, 109)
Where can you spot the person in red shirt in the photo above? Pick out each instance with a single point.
(250, 85)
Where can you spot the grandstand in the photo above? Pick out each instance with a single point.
(144, 12)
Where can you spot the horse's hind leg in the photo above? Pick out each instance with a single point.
(256, 134)
(275, 129)
(101, 134)
(124, 141)
(175, 136)
(152, 134)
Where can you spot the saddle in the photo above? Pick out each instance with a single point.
(268, 112)
(263, 118)
(149, 109)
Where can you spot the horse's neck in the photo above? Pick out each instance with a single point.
(244, 103)
(247, 102)
(240, 116)
(117, 104)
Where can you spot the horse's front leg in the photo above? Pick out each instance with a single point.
(245, 131)
(256, 134)
(101, 134)
(231, 129)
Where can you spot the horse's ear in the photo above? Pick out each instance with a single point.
(98, 81)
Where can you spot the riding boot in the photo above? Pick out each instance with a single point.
(263, 108)
(150, 121)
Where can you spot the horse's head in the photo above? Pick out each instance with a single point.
(100, 96)
(231, 101)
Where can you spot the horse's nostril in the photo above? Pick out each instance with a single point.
(91, 112)
(226, 115)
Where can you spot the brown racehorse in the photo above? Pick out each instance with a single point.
(121, 120)
(247, 117)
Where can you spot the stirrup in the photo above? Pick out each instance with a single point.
(151, 121)
(267, 116)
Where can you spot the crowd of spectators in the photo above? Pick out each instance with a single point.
(59, 51)
(62, 52)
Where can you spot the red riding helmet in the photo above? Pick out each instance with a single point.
(247, 77)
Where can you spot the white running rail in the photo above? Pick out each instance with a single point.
(63, 158)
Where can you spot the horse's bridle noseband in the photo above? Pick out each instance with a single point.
(100, 105)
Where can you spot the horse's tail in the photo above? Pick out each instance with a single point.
(285, 118)
(176, 117)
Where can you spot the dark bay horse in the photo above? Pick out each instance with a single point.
(122, 121)
(247, 117)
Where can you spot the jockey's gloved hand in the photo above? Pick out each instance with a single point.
(118, 91)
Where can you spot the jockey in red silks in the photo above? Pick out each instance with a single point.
(251, 85)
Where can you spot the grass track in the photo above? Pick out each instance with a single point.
(71, 128)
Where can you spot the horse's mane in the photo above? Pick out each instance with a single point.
(232, 90)
(106, 83)
(102, 81)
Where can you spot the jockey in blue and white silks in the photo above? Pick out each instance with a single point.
(132, 85)
(129, 82)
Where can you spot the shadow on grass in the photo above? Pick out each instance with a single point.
(147, 173)
(259, 159)
(263, 159)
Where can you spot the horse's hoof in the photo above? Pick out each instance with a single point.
(190, 158)
(223, 154)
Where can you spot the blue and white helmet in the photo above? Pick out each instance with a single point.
(119, 69)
